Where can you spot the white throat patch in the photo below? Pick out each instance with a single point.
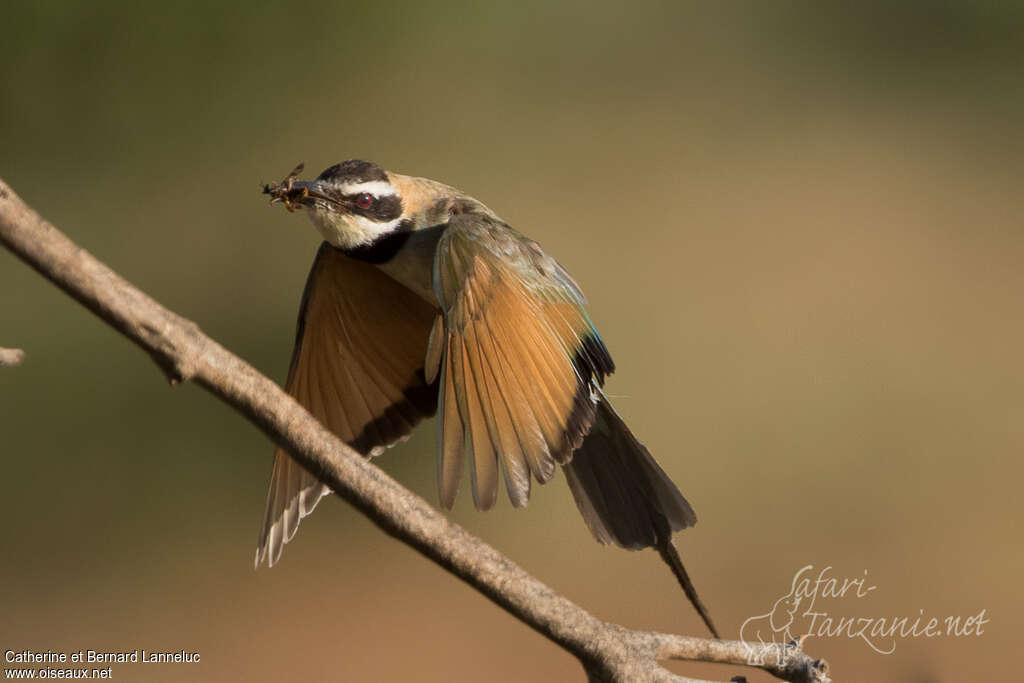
(349, 231)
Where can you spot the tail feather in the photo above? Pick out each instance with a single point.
(623, 494)
(669, 553)
(625, 497)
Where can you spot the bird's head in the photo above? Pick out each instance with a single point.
(356, 203)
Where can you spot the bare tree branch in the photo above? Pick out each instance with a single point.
(608, 652)
(10, 357)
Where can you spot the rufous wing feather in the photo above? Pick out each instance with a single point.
(358, 367)
(522, 362)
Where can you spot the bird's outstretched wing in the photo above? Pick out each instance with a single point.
(519, 361)
(521, 368)
(357, 367)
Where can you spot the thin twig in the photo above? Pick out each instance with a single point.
(608, 652)
(11, 357)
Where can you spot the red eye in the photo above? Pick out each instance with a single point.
(364, 201)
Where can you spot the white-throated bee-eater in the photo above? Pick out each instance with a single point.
(422, 300)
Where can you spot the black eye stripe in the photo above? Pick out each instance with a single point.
(383, 209)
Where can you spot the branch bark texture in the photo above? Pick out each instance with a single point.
(608, 652)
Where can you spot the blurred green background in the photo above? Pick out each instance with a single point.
(799, 226)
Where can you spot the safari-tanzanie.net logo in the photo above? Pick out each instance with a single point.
(814, 608)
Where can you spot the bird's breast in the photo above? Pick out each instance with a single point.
(412, 265)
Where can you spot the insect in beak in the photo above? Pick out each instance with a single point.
(286, 191)
(296, 193)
